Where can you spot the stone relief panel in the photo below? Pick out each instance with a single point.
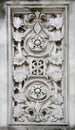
(37, 42)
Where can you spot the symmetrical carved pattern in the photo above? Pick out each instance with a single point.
(37, 68)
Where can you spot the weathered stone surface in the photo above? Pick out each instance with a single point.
(38, 128)
(37, 76)
(4, 72)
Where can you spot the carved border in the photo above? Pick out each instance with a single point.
(61, 6)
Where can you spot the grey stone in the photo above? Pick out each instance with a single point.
(4, 72)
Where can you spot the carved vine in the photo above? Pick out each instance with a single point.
(38, 67)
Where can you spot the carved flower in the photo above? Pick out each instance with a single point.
(19, 59)
(56, 22)
(19, 75)
(56, 58)
(37, 43)
(17, 36)
(20, 97)
(55, 36)
(57, 99)
(18, 111)
(37, 92)
(17, 22)
(55, 72)
(58, 112)
(57, 75)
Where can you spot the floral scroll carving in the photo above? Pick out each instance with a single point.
(37, 44)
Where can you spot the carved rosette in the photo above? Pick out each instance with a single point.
(38, 68)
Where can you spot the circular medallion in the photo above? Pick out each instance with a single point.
(37, 90)
(37, 45)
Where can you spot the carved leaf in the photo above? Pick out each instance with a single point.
(30, 113)
(37, 67)
(45, 114)
(37, 28)
(43, 17)
(31, 17)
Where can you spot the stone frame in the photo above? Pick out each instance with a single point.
(51, 5)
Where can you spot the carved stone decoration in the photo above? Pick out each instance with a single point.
(37, 91)
(37, 62)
